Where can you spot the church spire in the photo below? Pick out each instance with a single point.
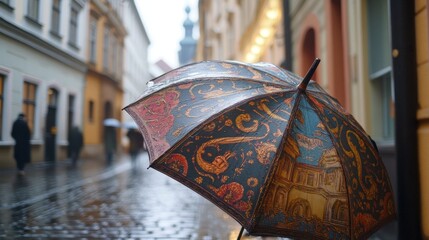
(188, 44)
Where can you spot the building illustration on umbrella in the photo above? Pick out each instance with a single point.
(271, 149)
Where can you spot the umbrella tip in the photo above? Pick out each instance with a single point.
(303, 85)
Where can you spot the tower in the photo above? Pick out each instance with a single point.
(188, 44)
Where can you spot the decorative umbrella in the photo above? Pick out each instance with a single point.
(274, 151)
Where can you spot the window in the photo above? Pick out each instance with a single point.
(29, 103)
(310, 179)
(380, 70)
(52, 97)
(113, 56)
(55, 17)
(120, 59)
(74, 14)
(301, 177)
(2, 97)
(71, 109)
(106, 46)
(108, 110)
(93, 40)
(91, 111)
(33, 10)
(340, 212)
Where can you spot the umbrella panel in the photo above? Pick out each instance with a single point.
(345, 194)
(369, 189)
(307, 196)
(170, 114)
(227, 160)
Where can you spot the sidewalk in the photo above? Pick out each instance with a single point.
(44, 179)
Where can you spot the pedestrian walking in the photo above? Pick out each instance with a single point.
(136, 143)
(109, 143)
(75, 143)
(21, 135)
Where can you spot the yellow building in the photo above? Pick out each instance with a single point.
(422, 50)
(103, 92)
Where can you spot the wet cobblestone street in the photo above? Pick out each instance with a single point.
(121, 201)
(97, 202)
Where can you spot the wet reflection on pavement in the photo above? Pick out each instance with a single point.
(120, 201)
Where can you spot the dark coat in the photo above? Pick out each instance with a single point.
(21, 134)
(75, 140)
(136, 141)
(109, 139)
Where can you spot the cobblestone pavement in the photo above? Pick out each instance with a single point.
(95, 201)
(92, 201)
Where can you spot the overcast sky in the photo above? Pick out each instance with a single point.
(163, 20)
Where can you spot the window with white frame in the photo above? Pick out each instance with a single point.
(106, 45)
(29, 103)
(33, 10)
(380, 70)
(120, 59)
(113, 53)
(73, 23)
(93, 39)
(56, 17)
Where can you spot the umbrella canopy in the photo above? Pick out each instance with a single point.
(111, 122)
(275, 152)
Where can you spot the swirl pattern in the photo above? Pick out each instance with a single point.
(280, 161)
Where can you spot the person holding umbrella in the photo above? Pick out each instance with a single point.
(136, 143)
(75, 143)
(110, 125)
(21, 135)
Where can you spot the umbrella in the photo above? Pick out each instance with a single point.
(271, 149)
(111, 122)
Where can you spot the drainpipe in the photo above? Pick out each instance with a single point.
(405, 80)
(287, 63)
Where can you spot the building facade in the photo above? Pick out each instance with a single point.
(362, 66)
(42, 73)
(421, 19)
(136, 66)
(104, 92)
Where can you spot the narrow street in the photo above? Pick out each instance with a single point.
(121, 201)
(94, 201)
